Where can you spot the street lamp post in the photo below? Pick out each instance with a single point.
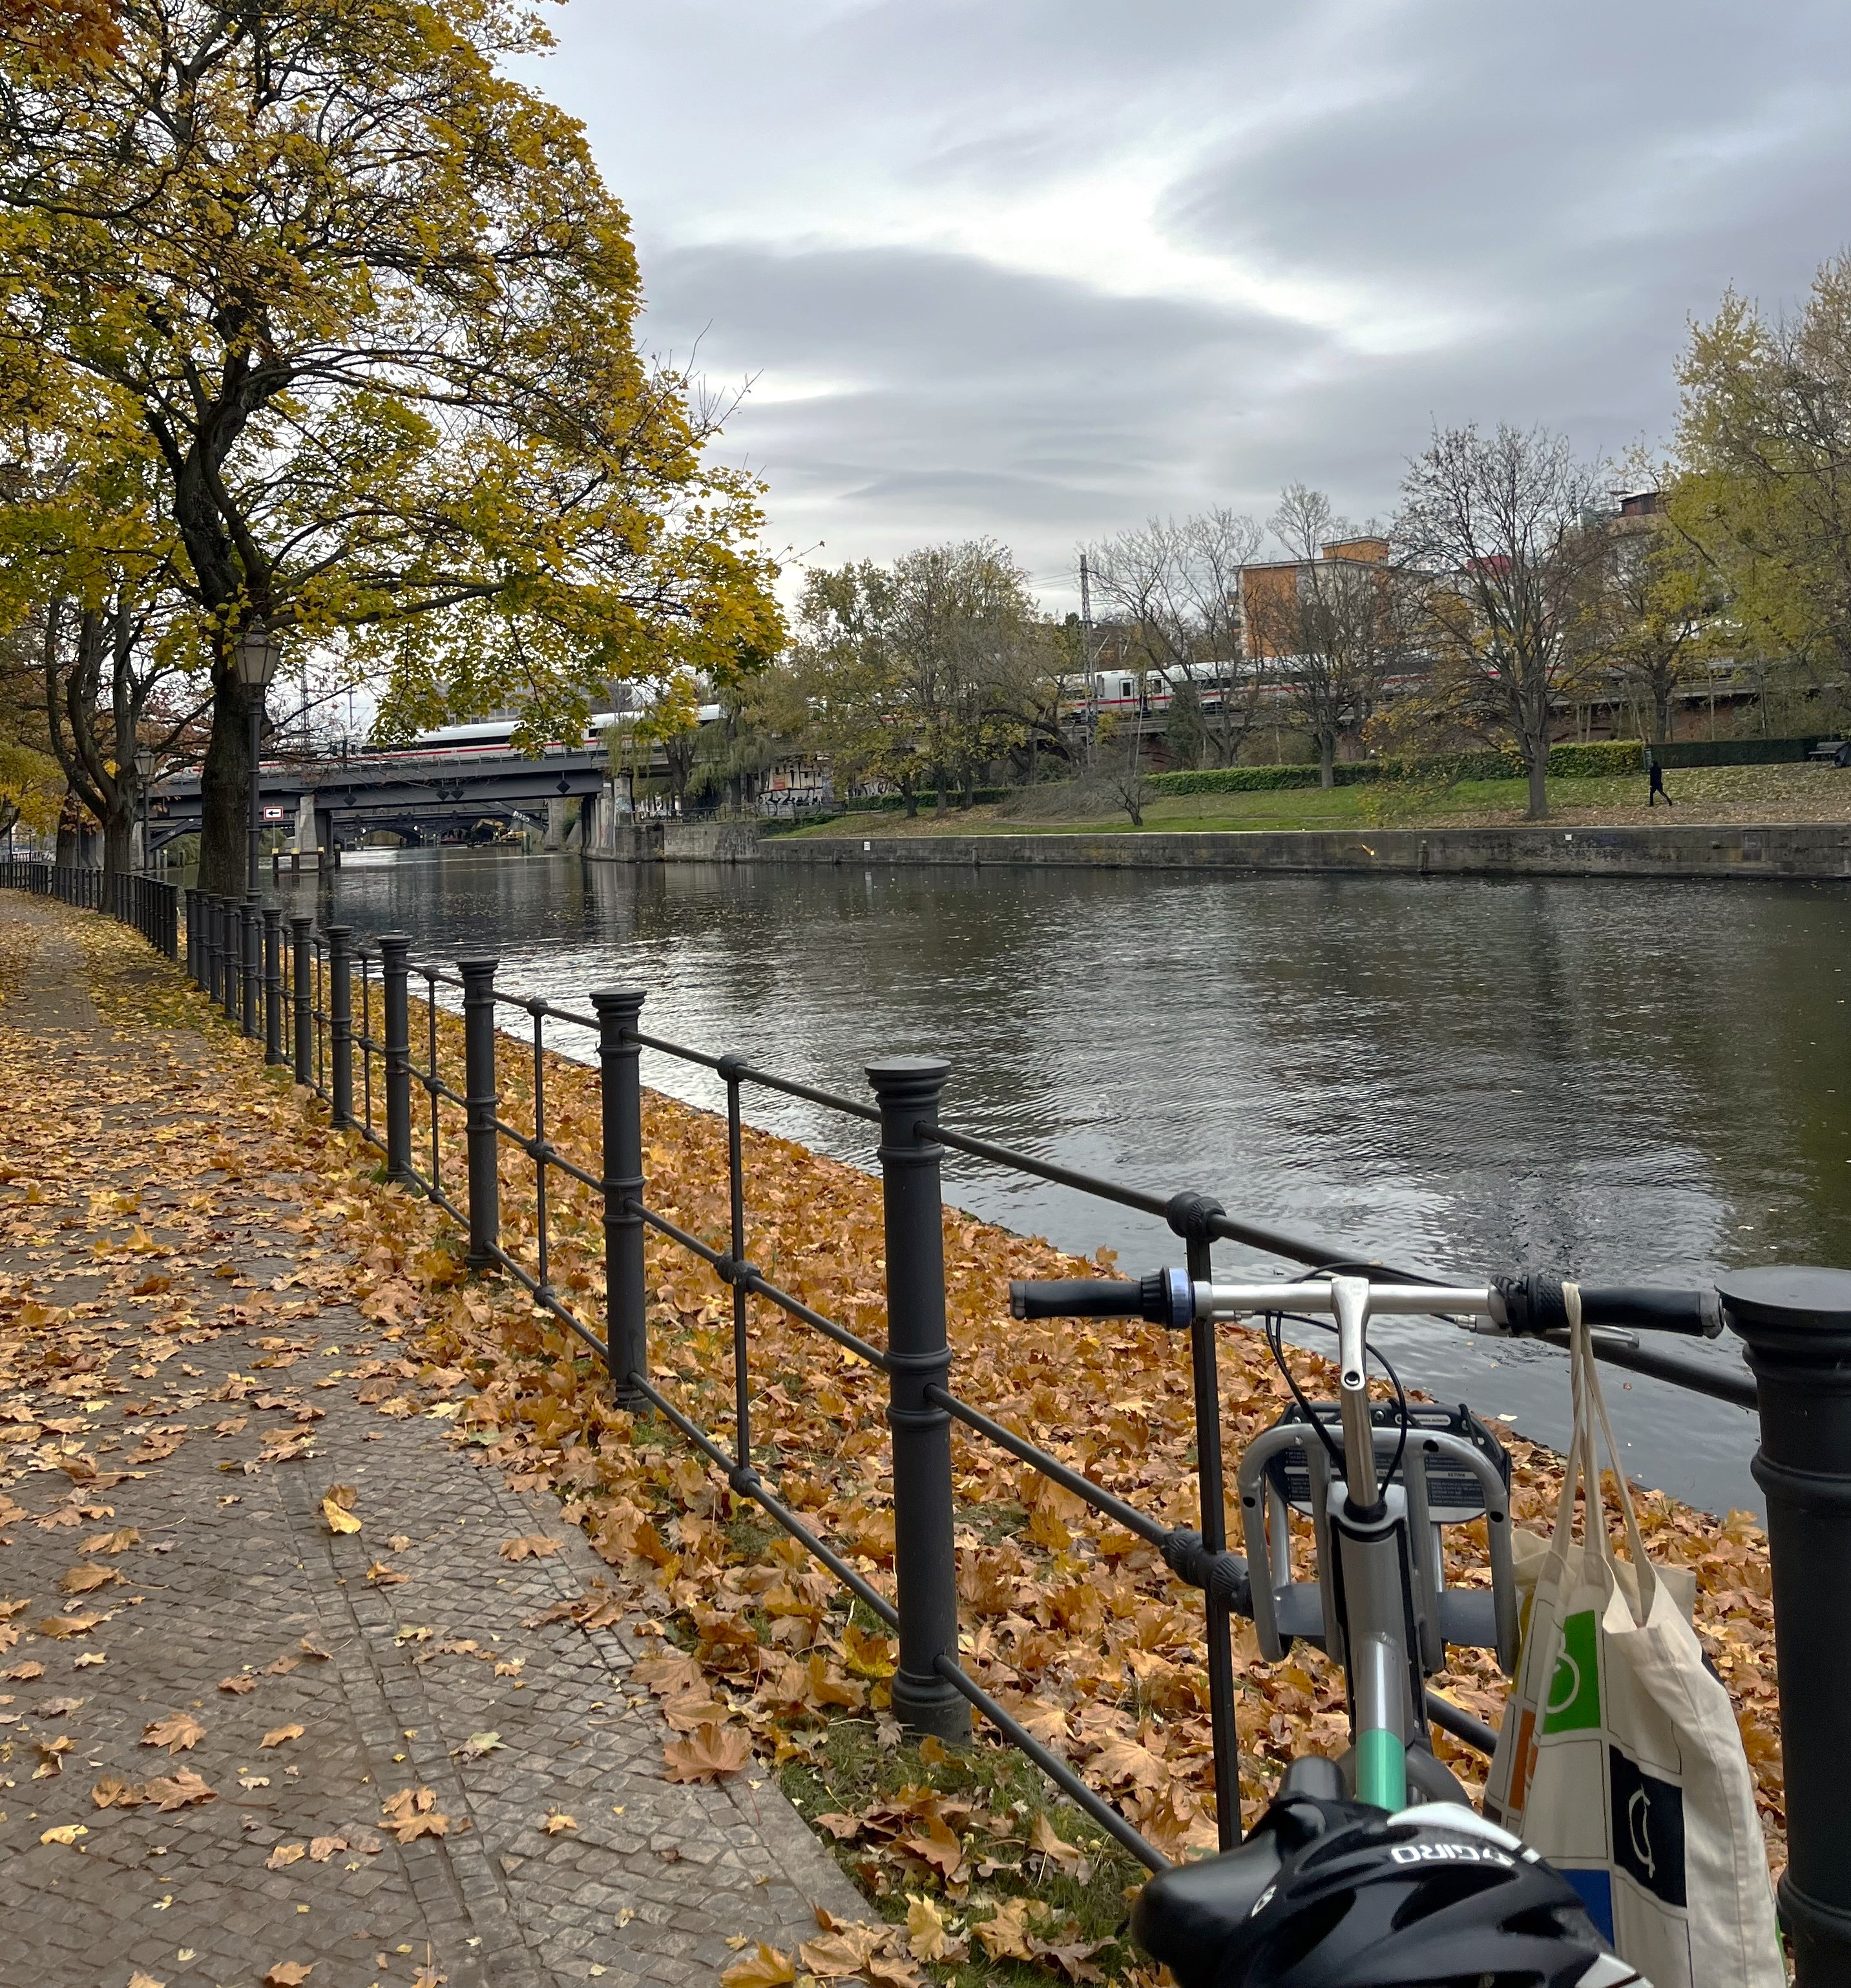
(256, 655)
(144, 775)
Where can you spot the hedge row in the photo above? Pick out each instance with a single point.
(1566, 762)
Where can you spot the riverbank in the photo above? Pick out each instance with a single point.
(1663, 848)
(1075, 1624)
(1737, 795)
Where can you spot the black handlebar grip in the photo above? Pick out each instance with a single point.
(1159, 1297)
(1533, 1305)
(1076, 1297)
(1696, 1313)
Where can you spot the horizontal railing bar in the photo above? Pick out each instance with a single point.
(676, 1049)
(1054, 1767)
(750, 1485)
(753, 1281)
(1455, 1719)
(542, 1295)
(747, 1073)
(1737, 1388)
(552, 1157)
(1298, 1248)
(553, 1014)
(1721, 1385)
(1115, 1508)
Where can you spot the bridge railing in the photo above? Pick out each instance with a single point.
(1800, 1350)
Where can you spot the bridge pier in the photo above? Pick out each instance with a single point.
(559, 824)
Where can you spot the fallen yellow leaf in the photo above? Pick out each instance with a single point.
(764, 1967)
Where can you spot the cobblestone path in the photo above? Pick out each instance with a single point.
(239, 1611)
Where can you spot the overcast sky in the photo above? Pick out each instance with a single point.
(1040, 269)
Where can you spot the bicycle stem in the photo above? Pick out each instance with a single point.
(1349, 1299)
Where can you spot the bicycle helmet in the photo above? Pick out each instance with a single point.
(1435, 1896)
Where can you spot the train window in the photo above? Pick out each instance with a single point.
(1124, 690)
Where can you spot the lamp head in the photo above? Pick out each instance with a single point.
(258, 653)
(144, 763)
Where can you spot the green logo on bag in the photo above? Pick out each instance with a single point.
(1574, 1691)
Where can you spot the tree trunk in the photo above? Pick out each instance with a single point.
(909, 798)
(1536, 759)
(1327, 760)
(119, 829)
(224, 794)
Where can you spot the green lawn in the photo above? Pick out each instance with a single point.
(1710, 793)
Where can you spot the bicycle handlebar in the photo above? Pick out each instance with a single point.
(1526, 1308)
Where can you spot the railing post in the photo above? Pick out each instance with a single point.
(302, 997)
(192, 935)
(925, 1561)
(273, 983)
(394, 950)
(1191, 1217)
(250, 957)
(480, 1101)
(340, 1025)
(227, 957)
(619, 1012)
(1797, 1326)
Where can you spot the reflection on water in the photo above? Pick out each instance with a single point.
(1636, 1080)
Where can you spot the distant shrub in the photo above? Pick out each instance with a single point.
(1604, 757)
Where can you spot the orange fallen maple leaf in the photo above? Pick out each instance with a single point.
(709, 1752)
(177, 1732)
(531, 1546)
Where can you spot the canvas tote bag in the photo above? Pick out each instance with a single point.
(1618, 1758)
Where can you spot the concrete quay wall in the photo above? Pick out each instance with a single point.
(1671, 849)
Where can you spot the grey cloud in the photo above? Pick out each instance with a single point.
(1554, 192)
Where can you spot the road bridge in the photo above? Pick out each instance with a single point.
(421, 794)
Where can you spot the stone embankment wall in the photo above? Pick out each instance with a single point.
(1682, 849)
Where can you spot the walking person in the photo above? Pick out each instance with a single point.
(1656, 791)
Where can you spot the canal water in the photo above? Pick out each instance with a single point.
(1627, 1081)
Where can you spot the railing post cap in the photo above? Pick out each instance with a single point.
(1802, 1311)
(909, 1076)
(603, 998)
(394, 941)
(301, 921)
(478, 968)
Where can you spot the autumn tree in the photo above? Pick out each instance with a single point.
(89, 578)
(925, 669)
(370, 304)
(1332, 627)
(850, 672)
(1172, 586)
(1764, 443)
(1657, 613)
(1502, 538)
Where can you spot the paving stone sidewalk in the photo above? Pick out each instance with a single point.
(237, 1576)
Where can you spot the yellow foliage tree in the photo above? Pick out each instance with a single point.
(370, 304)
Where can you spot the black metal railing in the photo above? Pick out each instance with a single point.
(151, 907)
(1797, 1326)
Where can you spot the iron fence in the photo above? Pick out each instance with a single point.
(151, 907)
(299, 1001)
